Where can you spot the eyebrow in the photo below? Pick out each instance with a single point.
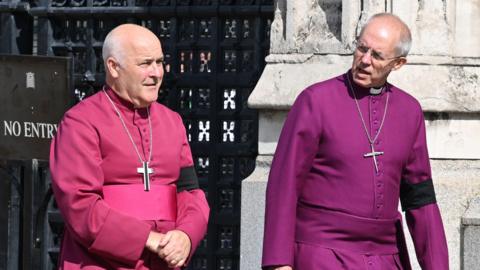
(149, 58)
(380, 53)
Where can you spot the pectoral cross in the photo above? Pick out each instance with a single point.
(146, 171)
(373, 155)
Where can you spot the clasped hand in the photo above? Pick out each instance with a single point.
(286, 267)
(173, 247)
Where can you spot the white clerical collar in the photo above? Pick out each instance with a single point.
(376, 90)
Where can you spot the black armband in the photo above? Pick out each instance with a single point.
(187, 180)
(414, 196)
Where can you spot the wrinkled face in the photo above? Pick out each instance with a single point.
(374, 56)
(138, 75)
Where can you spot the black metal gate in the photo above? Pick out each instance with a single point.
(214, 52)
(31, 224)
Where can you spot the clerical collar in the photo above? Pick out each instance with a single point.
(117, 99)
(362, 92)
(376, 90)
(122, 103)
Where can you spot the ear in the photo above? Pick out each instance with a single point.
(112, 67)
(399, 63)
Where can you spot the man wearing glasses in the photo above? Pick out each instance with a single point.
(351, 148)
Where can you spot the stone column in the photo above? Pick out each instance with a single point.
(471, 236)
(370, 7)
(311, 41)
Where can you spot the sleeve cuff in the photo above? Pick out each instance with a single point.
(118, 242)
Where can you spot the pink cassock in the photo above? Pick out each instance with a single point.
(92, 154)
(327, 206)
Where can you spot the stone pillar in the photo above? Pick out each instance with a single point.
(370, 7)
(311, 40)
(471, 236)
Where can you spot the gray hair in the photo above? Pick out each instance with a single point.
(405, 41)
(112, 48)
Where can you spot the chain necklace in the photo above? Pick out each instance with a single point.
(144, 169)
(373, 154)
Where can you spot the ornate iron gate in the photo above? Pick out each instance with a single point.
(214, 51)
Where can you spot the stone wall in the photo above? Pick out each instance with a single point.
(311, 40)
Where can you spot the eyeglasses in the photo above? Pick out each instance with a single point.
(364, 49)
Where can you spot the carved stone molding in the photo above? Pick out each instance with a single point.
(431, 32)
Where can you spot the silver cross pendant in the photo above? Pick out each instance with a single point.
(146, 171)
(373, 155)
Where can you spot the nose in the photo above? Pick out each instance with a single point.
(367, 57)
(156, 70)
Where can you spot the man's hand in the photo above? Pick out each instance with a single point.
(285, 267)
(153, 241)
(174, 248)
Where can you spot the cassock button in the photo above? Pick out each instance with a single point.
(375, 122)
(374, 111)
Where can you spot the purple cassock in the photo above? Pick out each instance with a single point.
(327, 205)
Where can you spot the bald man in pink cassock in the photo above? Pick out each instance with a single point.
(122, 169)
(351, 149)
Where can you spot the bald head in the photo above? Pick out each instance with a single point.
(383, 43)
(391, 26)
(133, 59)
(122, 38)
